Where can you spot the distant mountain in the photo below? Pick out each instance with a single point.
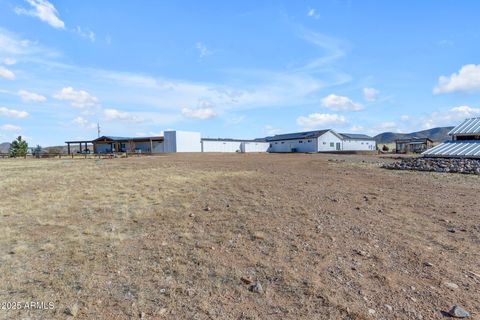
(4, 147)
(436, 134)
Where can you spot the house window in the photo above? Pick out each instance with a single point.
(309, 140)
(300, 141)
(332, 144)
(283, 142)
(324, 142)
(276, 142)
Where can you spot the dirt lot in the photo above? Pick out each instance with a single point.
(186, 236)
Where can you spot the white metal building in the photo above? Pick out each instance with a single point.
(358, 142)
(182, 141)
(233, 145)
(320, 141)
(465, 142)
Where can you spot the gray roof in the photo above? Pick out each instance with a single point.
(113, 138)
(458, 148)
(356, 136)
(298, 135)
(231, 140)
(468, 126)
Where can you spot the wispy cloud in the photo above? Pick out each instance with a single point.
(12, 113)
(85, 33)
(114, 114)
(44, 11)
(10, 127)
(203, 51)
(28, 96)
(270, 130)
(313, 13)
(319, 120)
(6, 74)
(198, 113)
(9, 61)
(370, 94)
(84, 123)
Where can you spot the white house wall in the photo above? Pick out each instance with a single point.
(182, 141)
(298, 145)
(220, 146)
(250, 146)
(359, 145)
(329, 142)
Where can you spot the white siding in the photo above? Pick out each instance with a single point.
(299, 145)
(359, 145)
(182, 141)
(250, 146)
(220, 146)
(329, 142)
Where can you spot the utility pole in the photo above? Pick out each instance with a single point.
(98, 129)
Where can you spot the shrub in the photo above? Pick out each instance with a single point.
(18, 148)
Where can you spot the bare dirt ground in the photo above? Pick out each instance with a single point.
(185, 236)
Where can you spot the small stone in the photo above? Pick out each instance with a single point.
(458, 312)
(207, 208)
(371, 312)
(259, 235)
(428, 264)
(72, 311)
(246, 280)
(450, 285)
(451, 230)
(257, 288)
(388, 307)
(191, 215)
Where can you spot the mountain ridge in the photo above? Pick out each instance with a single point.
(438, 134)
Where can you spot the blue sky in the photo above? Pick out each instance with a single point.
(239, 69)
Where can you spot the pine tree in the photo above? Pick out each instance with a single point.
(18, 147)
(37, 151)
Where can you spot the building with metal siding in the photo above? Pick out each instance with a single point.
(465, 142)
(320, 141)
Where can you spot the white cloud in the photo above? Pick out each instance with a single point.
(114, 114)
(467, 80)
(43, 10)
(270, 130)
(78, 99)
(202, 49)
(12, 113)
(313, 13)
(317, 120)
(85, 33)
(356, 128)
(9, 61)
(450, 117)
(27, 96)
(370, 94)
(7, 74)
(83, 123)
(199, 113)
(10, 127)
(339, 103)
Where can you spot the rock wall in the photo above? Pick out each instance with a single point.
(456, 165)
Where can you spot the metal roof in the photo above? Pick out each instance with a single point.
(469, 126)
(301, 135)
(460, 149)
(356, 136)
(230, 140)
(113, 138)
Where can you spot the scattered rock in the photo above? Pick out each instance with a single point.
(246, 280)
(259, 235)
(458, 312)
(256, 287)
(191, 215)
(371, 312)
(428, 264)
(388, 307)
(72, 311)
(207, 208)
(450, 285)
(451, 230)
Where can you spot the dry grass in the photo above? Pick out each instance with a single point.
(183, 236)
